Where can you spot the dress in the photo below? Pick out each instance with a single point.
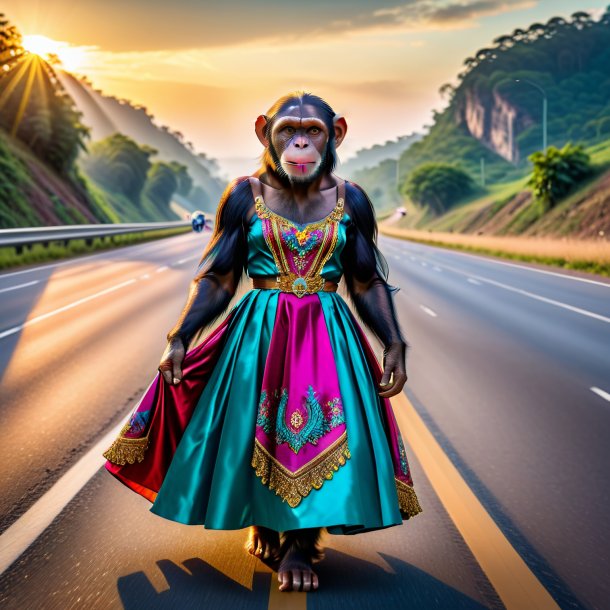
(277, 421)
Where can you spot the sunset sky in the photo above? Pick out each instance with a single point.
(209, 68)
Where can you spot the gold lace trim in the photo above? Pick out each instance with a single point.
(407, 499)
(336, 214)
(294, 486)
(125, 450)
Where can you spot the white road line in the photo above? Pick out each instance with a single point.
(160, 269)
(497, 262)
(436, 268)
(44, 316)
(473, 281)
(82, 258)
(423, 264)
(601, 393)
(531, 295)
(19, 286)
(429, 311)
(21, 534)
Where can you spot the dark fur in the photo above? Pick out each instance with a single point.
(307, 540)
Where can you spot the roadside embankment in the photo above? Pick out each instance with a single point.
(591, 256)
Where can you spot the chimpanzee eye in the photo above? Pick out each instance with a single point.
(289, 129)
(314, 130)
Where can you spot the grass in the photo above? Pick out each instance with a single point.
(38, 253)
(591, 256)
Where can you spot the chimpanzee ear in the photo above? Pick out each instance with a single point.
(340, 129)
(260, 127)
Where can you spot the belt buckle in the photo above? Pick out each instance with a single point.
(300, 285)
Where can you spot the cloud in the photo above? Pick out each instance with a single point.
(205, 24)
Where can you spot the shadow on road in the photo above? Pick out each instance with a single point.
(343, 579)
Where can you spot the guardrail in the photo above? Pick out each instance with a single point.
(23, 237)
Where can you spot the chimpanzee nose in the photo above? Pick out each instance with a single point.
(301, 142)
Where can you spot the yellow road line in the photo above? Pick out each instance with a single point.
(515, 583)
(283, 600)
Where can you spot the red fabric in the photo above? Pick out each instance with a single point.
(172, 408)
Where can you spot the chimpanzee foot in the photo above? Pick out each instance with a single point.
(294, 572)
(264, 543)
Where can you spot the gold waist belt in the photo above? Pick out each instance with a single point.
(296, 284)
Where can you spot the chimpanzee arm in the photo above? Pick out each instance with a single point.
(221, 266)
(365, 270)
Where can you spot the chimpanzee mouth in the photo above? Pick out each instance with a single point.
(300, 162)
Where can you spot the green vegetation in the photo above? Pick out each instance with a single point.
(39, 253)
(14, 206)
(438, 185)
(556, 172)
(138, 188)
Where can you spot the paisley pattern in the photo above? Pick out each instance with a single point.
(306, 422)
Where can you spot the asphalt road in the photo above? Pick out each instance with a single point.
(509, 367)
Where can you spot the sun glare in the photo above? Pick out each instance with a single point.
(72, 58)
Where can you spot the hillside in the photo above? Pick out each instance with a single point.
(105, 115)
(70, 155)
(33, 194)
(508, 209)
(493, 123)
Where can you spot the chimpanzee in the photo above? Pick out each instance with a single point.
(300, 134)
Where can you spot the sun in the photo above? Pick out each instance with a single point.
(72, 57)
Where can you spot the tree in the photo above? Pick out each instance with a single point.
(120, 164)
(557, 172)
(11, 47)
(438, 185)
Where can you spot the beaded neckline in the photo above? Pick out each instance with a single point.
(265, 212)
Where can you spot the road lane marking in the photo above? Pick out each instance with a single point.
(44, 316)
(285, 600)
(583, 312)
(429, 311)
(160, 269)
(492, 260)
(601, 393)
(19, 286)
(473, 281)
(514, 582)
(54, 312)
(21, 534)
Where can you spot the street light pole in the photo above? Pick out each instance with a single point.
(397, 173)
(544, 109)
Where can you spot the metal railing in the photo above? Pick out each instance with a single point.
(23, 237)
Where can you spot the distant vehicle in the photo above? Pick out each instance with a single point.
(402, 211)
(198, 221)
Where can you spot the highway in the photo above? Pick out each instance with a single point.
(509, 372)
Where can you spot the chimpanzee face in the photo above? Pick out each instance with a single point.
(299, 141)
(299, 138)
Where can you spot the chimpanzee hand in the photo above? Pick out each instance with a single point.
(171, 361)
(393, 364)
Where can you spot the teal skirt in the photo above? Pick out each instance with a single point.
(211, 481)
